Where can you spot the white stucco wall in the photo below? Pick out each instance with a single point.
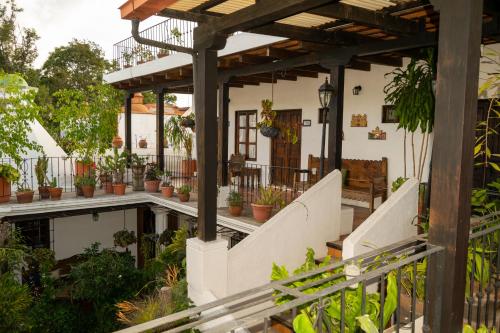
(309, 221)
(303, 94)
(392, 222)
(73, 234)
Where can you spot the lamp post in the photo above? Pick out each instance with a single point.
(325, 96)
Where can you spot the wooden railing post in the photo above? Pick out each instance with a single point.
(452, 159)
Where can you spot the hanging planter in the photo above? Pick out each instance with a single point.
(267, 125)
(143, 143)
(124, 238)
(188, 121)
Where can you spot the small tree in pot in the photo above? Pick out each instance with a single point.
(235, 202)
(166, 187)
(183, 193)
(262, 208)
(153, 178)
(41, 167)
(106, 177)
(117, 164)
(138, 166)
(54, 190)
(87, 184)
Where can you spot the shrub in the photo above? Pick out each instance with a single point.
(15, 300)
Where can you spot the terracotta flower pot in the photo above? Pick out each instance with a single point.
(143, 143)
(108, 187)
(55, 193)
(84, 168)
(44, 193)
(167, 191)
(152, 186)
(235, 210)
(4, 190)
(119, 189)
(25, 197)
(88, 191)
(117, 142)
(262, 213)
(183, 197)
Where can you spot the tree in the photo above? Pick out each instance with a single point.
(150, 97)
(88, 118)
(17, 48)
(75, 66)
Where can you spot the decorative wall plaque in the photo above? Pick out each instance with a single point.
(359, 120)
(377, 134)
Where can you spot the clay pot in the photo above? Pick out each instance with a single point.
(25, 197)
(4, 190)
(79, 192)
(44, 193)
(183, 197)
(262, 213)
(167, 191)
(55, 193)
(83, 168)
(108, 187)
(188, 167)
(152, 186)
(88, 191)
(162, 54)
(235, 210)
(119, 189)
(117, 142)
(143, 143)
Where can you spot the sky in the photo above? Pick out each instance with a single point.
(57, 22)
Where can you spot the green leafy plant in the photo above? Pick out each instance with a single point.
(481, 329)
(178, 135)
(8, 172)
(235, 199)
(398, 183)
(184, 189)
(15, 300)
(53, 183)
(41, 168)
(268, 115)
(116, 164)
(23, 188)
(152, 172)
(270, 197)
(124, 238)
(411, 93)
(86, 180)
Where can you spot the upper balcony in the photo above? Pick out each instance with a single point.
(128, 52)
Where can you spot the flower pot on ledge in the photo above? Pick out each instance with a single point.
(5, 191)
(183, 197)
(44, 193)
(152, 186)
(25, 197)
(167, 191)
(55, 193)
(88, 191)
(119, 189)
(262, 213)
(235, 210)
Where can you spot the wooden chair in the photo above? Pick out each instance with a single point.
(236, 164)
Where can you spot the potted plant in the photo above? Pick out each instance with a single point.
(124, 238)
(54, 190)
(41, 175)
(183, 193)
(117, 164)
(235, 203)
(162, 53)
(128, 58)
(267, 125)
(8, 174)
(24, 194)
(181, 137)
(106, 177)
(87, 184)
(153, 178)
(143, 143)
(188, 121)
(262, 208)
(138, 167)
(166, 187)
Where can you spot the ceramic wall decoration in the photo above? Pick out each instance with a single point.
(377, 134)
(359, 120)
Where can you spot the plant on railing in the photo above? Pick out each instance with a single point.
(329, 309)
(143, 53)
(128, 58)
(411, 93)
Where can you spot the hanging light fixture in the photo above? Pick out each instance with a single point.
(325, 91)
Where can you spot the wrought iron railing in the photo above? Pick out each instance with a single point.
(128, 52)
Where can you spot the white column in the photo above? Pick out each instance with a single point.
(161, 219)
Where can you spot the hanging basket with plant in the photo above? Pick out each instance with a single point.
(267, 125)
(124, 238)
(188, 121)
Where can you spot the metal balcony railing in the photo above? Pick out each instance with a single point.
(128, 52)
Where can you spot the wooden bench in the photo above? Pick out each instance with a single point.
(366, 179)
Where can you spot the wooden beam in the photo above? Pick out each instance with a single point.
(206, 141)
(252, 59)
(452, 160)
(207, 5)
(359, 66)
(382, 60)
(261, 13)
(300, 72)
(335, 118)
(223, 133)
(184, 15)
(371, 18)
(160, 128)
(128, 122)
(280, 53)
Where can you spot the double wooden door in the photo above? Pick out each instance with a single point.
(285, 148)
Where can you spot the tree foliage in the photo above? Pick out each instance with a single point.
(88, 118)
(17, 112)
(17, 45)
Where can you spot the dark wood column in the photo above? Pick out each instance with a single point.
(336, 118)
(128, 122)
(160, 127)
(205, 99)
(223, 132)
(456, 105)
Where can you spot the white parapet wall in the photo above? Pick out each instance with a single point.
(392, 222)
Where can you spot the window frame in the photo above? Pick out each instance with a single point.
(237, 142)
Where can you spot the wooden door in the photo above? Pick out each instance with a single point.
(285, 148)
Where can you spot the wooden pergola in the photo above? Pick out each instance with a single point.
(328, 35)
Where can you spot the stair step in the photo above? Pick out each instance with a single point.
(335, 247)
